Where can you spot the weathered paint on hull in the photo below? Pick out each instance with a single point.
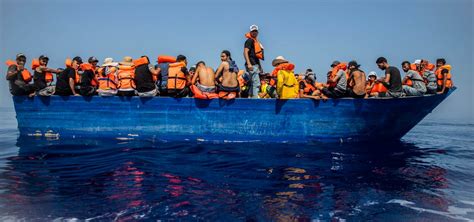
(161, 118)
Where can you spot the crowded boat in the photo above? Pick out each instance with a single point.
(170, 76)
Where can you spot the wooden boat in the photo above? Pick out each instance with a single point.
(178, 119)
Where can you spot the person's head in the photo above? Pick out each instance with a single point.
(335, 63)
(225, 55)
(310, 79)
(20, 59)
(43, 60)
(200, 64)
(382, 63)
(76, 62)
(192, 70)
(372, 76)
(181, 58)
(93, 61)
(406, 66)
(353, 65)
(418, 64)
(329, 74)
(440, 62)
(254, 31)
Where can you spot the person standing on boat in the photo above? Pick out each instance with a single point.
(253, 53)
(19, 77)
(43, 77)
(392, 79)
(337, 81)
(356, 80)
(66, 82)
(413, 82)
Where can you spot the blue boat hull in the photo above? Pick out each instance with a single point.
(169, 119)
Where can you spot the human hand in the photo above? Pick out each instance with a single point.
(250, 67)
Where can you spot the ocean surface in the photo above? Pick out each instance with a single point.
(428, 176)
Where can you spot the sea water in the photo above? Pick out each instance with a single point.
(428, 176)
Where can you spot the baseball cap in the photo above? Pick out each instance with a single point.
(92, 59)
(20, 55)
(253, 28)
(335, 63)
(78, 59)
(41, 57)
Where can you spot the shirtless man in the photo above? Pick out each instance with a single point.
(203, 78)
(226, 74)
(356, 80)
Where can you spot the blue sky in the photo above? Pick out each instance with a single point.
(309, 33)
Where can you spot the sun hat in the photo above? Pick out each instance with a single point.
(372, 73)
(279, 60)
(109, 62)
(127, 61)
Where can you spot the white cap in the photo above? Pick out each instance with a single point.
(418, 61)
(253, 28)
(373, 73)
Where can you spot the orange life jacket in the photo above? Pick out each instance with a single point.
(309, 88)
(334, 71)
(25, 74)
(166, 59)
(227, 95)
(107, 80)
(198, 94)
(283, 66)
(440, 76)
(125, 76)
(257, 45)
(77, 78)
(378, 87)
(89, 67)
(35, 63)
(176, 78)
(144, 61)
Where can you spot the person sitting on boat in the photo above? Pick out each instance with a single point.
(267, 91)
(144, 81)
(308, 88)
(336, 86)
(356, 80)
(287, 84)
(43, 76)
(253, 53)
(443, 76)
(226, 76)
(89, 82)
(203, 84)
(425, 69)
(413, 84)
(125, 76)
(108, 78)
(19, 77)
(69, 78)
(392, 79)
(243, 79)
(373, 86)
(94, 61)
(178, 77)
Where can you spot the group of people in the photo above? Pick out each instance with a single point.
(171, 77)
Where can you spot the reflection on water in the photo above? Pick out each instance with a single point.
(141, 180)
